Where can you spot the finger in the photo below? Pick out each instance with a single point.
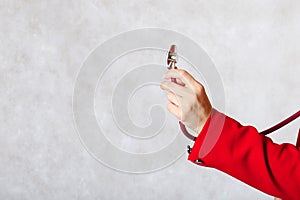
(179, 81)
(181, 74)
(175, 110)
(173, 87)
(173, 98)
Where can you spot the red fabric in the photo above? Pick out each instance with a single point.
(298, 140)
(243, 153)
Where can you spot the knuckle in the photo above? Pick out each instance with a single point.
(183, 72)
(200, 88)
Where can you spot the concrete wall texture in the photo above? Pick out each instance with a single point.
(254, 46)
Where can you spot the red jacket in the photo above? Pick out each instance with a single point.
(243, 153)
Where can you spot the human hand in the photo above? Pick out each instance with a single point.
(187, 99)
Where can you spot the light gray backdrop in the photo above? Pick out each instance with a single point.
(254, 44)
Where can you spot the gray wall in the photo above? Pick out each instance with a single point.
(254, 45)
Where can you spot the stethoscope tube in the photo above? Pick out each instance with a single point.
(281, 124)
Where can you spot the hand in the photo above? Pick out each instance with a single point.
(187, 99)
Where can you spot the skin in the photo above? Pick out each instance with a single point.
(188, 101)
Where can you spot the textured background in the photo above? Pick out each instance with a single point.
(254, 44)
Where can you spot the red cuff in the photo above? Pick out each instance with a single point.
(207, 138)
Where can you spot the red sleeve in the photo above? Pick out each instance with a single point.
(254, 159)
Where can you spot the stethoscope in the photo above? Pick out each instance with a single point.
(171, 62)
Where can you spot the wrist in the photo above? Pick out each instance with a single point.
(203, 121)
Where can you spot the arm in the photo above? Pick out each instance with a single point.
(237, 150)
(243, 153)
